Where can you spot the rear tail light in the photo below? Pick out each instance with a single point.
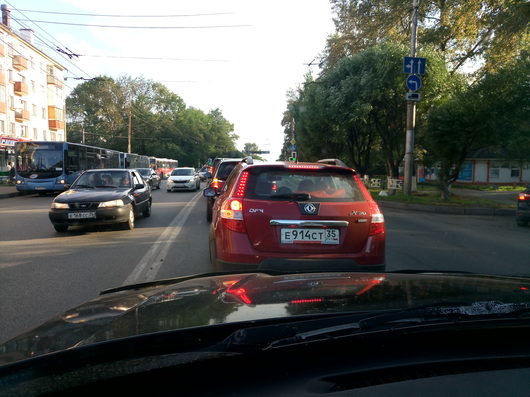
(377, 226)
(241, 185)
(232, 215)
(215, 183)
(524, 196)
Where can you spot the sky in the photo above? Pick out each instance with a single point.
(242, 57)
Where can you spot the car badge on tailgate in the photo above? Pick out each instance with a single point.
(309, 208)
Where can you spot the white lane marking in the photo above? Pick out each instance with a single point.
(148, 267)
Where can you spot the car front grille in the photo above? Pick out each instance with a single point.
(83, 206)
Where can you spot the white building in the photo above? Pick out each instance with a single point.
(31, 91)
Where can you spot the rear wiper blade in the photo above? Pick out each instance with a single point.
(292, 196)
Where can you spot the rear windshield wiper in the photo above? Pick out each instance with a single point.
(292, 196)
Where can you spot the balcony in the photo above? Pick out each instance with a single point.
(3, 107)
(20, 63)
(54, 80)
(21, 115)
(2, 78)
(55, 125)
(20, 88)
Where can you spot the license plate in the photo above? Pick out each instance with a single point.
(81, 215)
(319, 236)
(40, 188)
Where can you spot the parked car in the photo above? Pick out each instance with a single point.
(221, 172)
(150, 176)
(204, 172)
(183, 178)
(275, 214)
(99, 197)
(523, 207)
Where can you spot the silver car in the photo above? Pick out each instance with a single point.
(183, 178)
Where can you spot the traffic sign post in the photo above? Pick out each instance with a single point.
(413, 65)
(413, 82)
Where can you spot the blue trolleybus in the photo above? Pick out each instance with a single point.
(45, 167)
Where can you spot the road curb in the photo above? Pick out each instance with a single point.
(443, 209)
(8, 195)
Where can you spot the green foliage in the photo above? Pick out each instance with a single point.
(493, 113)
(462, 30)
(162, 125)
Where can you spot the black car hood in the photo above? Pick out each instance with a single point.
(205, 301)
(97, 194)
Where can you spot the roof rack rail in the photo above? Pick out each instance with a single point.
(333, 162)
(249, 160)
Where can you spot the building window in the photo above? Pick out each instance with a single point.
(33, 89)
(34, 110)
(44, 113)
(24, 130)
(11, 102)
(32, 62)
(494, 173)
(35, 134)
(44, 135)
(2, 126)
(24, 104)
(52, 136)
(12, 129)
(10, 75)
(516, 172)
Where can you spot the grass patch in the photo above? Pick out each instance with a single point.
(497, 188)
(433, 197)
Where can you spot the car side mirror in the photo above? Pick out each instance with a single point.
(209, 192)
(139, 186)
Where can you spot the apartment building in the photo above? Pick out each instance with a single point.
(31, 91)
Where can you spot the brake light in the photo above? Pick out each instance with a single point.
(524, 196)
(377, 226)
(241, 185)
(240, 293)
(305, 166)
(232, 215)
(215, 183)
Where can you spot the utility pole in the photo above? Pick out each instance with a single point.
(411, 110)
(129, 145)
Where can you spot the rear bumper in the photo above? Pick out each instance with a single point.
(234, 251)
(523, 214)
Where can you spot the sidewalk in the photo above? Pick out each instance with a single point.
(7, 191)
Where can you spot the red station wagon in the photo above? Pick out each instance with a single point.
(282, 215)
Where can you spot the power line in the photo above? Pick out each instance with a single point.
(140, 27)
(152, 58)
(130, 16)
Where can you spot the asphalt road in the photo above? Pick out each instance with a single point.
(43, 273)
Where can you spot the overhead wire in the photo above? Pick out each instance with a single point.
(129, 16)
(140, 27)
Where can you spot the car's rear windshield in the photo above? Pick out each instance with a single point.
(225, 169)
(282, 184)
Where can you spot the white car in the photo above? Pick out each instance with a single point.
(183, 178)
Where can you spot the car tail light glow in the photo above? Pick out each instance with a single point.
(240, 293)
(377, 225)
(215, 183)
(232, 215)
(312, 300)
(241, 185)
(524, 196)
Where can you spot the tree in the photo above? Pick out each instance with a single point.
(251, 149)
(464, 31)
(495, 113)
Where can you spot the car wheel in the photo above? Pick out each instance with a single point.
(169, 190)
(60, 228)
(129, 225)
(147, 211)
(208, 212)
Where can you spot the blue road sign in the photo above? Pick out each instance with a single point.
(413, 82)
(293, 147)
(413, 65)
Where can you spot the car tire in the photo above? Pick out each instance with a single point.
(147, 211)
(60, 228)
(129, 225)
(208, 212)
(168, 190)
